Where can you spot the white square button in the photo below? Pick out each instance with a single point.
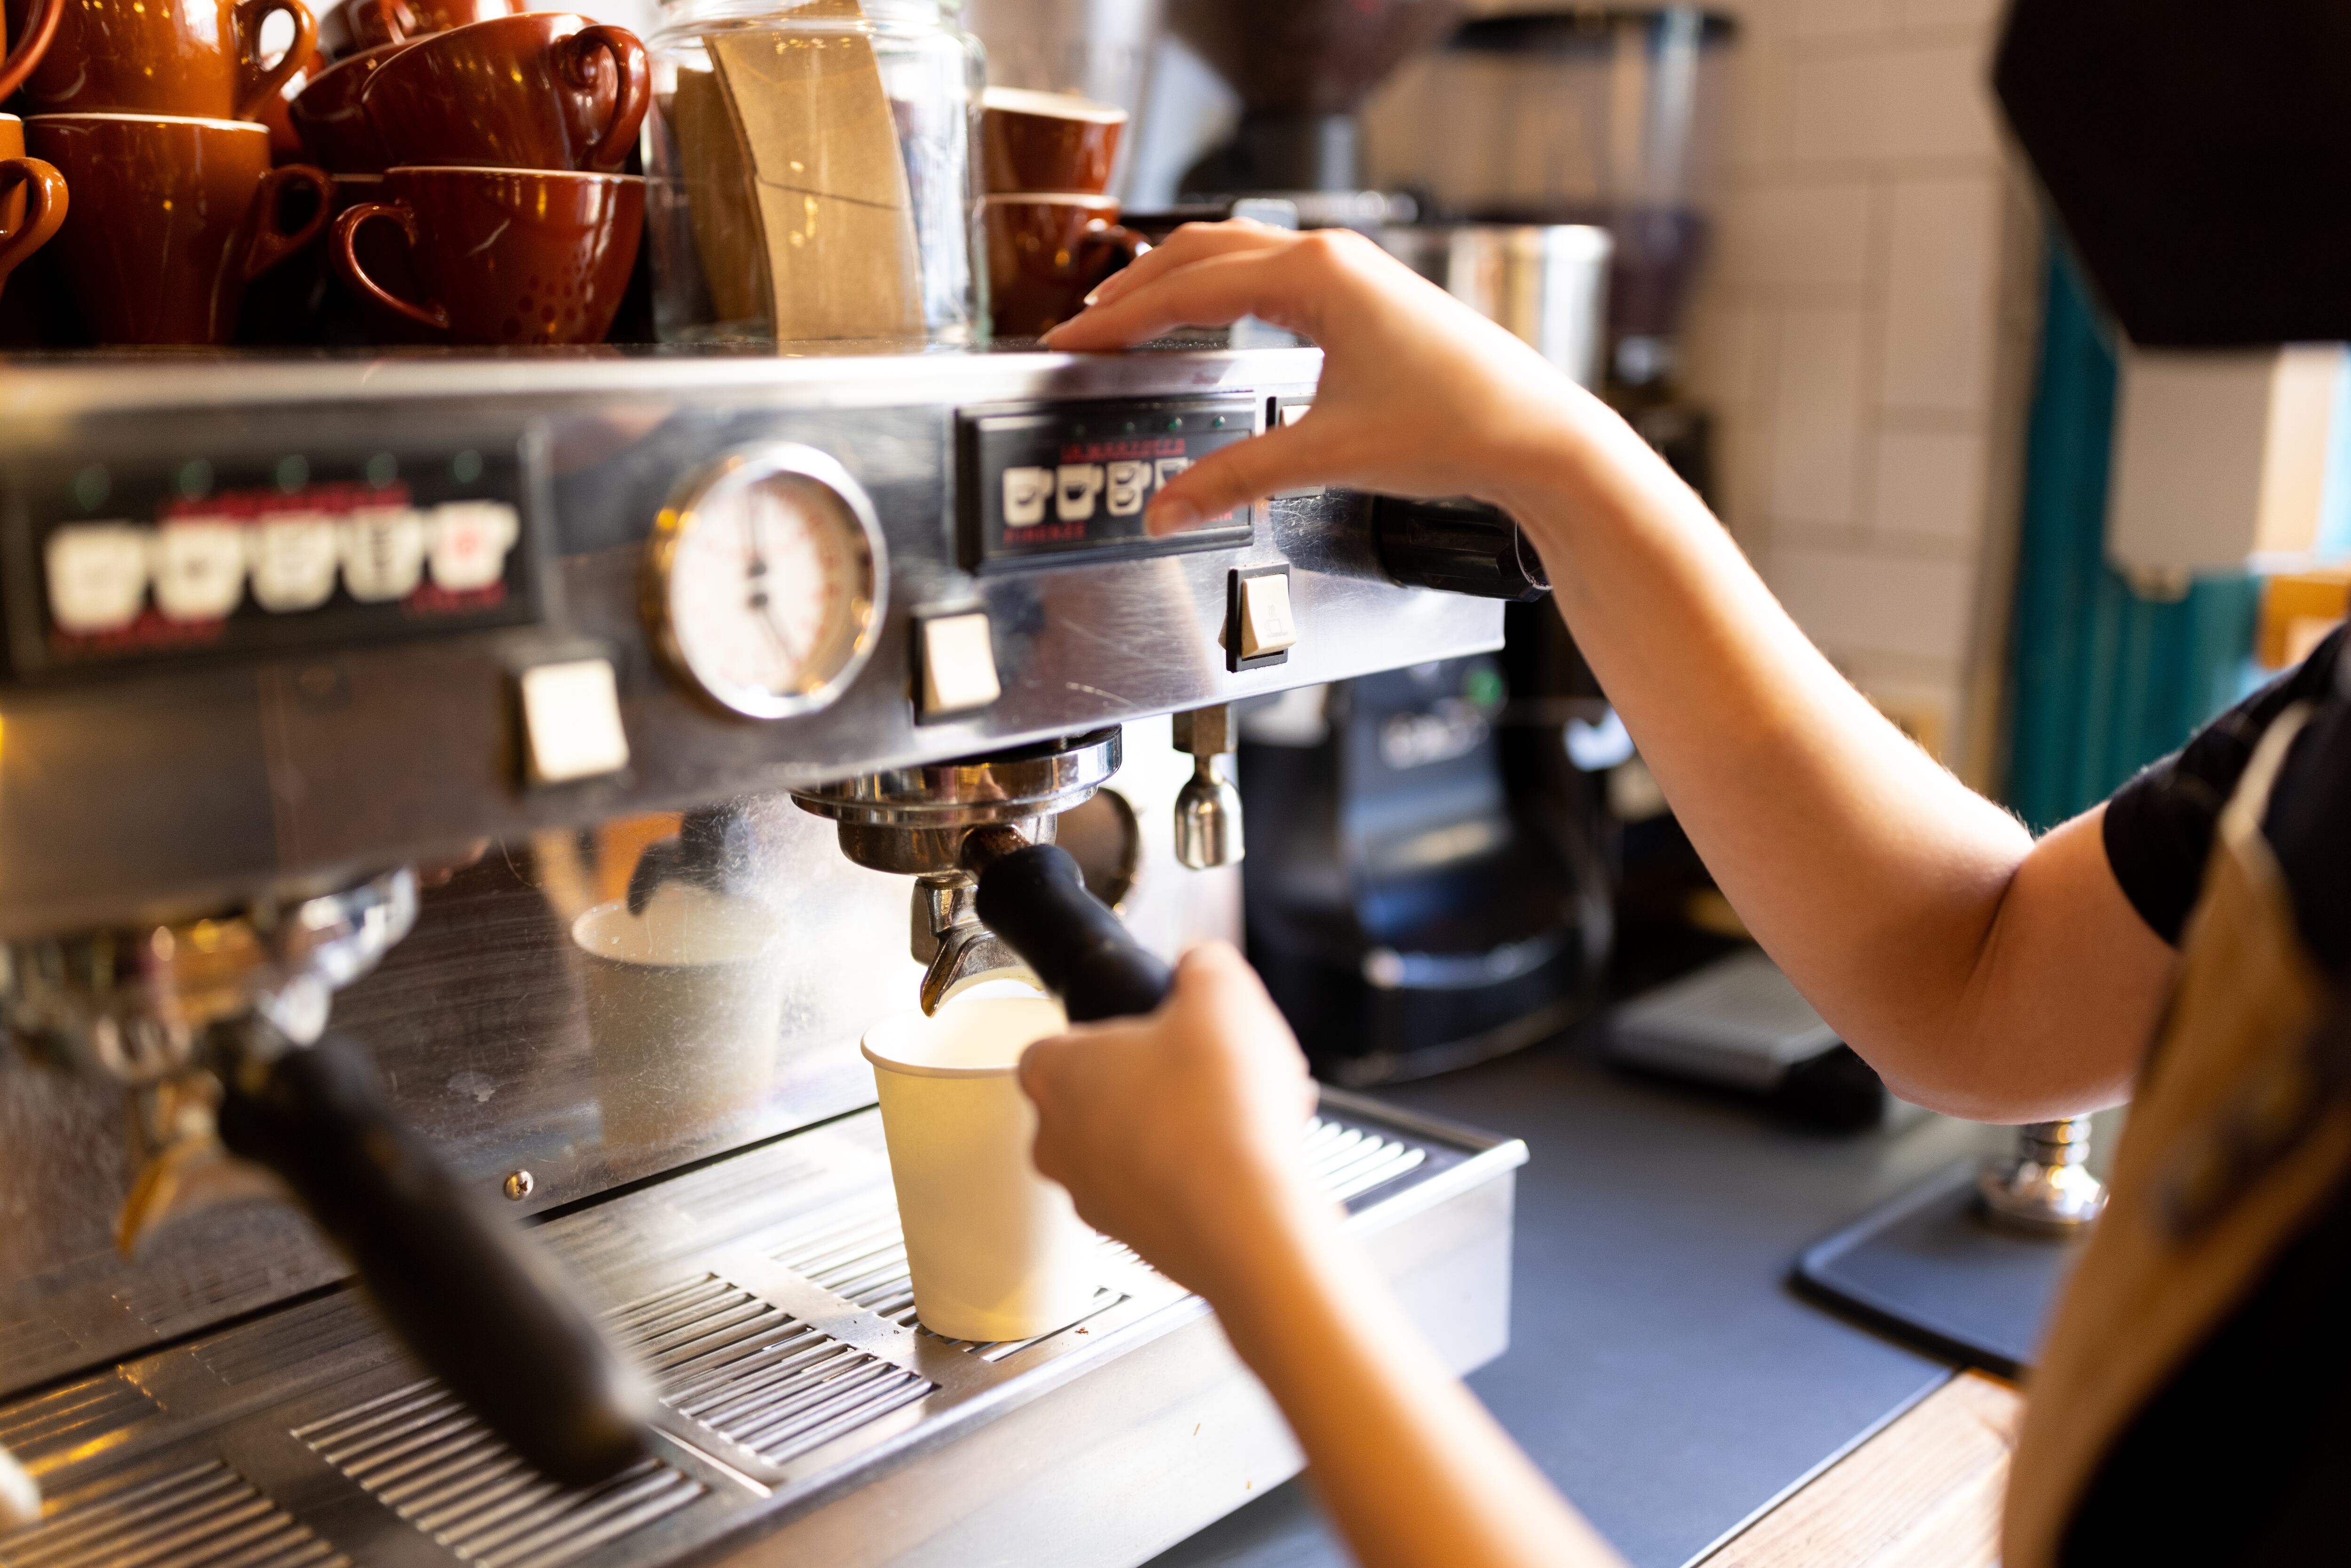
(571, 721)
(958, 665)
(1267, 625)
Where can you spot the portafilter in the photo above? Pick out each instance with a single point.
(218, 1028)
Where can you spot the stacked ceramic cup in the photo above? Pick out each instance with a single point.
(151, 114)
(487, 155)
(1051, 229)
(32, 192)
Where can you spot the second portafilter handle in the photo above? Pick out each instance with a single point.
(468, 1294)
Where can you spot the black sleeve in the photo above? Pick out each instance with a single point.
(2158, 826)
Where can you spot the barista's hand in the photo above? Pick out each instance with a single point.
(1178, 1134)
(1420, 395)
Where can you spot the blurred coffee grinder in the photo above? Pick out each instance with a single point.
(1577, 117)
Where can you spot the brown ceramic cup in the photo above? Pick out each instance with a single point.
(172, 218)
(336, 132)
(1047, 253)
(542, 91)
(194, 58)
(32, 42)
(32, 199)
(504, 255)
(1047, 142)
(358, 25)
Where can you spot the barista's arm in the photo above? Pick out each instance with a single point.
(1179, 1134)
(1980, 972)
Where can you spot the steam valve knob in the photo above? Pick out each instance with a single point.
(1457, 545)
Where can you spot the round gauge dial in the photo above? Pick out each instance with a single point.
(766, 580)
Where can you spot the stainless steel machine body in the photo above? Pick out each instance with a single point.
(720, 1196)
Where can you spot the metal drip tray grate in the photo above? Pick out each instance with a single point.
(198, 1516)
(860, 1257)
(780, 1334)
(757, 1375)
(439, 1469)
(1347, 1162)
(88, 1415)
(863, 1259)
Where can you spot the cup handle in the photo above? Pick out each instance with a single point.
(44, 209)
(272, 244)
(636, 85)
(250, 14)
(347, 261)
(1105, 250)
(24, 59)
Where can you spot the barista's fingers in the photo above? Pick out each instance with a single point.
(1211, 292)
(1288, 457)
(1042, 1067)
(1191, 243)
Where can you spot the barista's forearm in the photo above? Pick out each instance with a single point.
(1412, 1470)
(1888, 888)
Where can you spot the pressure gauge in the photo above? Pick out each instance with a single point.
(767, 581)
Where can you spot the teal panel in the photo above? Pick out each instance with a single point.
(2102, 680)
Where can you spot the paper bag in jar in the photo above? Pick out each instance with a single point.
(796, 182)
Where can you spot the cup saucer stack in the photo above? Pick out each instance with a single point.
(482, 196)
(1052, 230)
(151, 115)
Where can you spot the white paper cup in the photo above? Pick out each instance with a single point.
(684, 1013)
(997, 1252)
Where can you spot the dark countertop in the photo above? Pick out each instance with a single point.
(1660, 1370)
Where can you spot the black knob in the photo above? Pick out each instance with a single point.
(475, 1299)
(1458, 546)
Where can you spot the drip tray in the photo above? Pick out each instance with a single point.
(807, 1415)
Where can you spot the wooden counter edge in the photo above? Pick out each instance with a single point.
(1923, 1493)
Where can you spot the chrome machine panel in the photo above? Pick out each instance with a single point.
(158, 772)
(328, 748)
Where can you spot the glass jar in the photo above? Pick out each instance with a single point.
(810, 173)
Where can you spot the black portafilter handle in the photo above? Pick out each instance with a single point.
(1457, 545)
(1036, 900)
(457, 1281)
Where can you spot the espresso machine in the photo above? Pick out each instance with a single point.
(457, 816)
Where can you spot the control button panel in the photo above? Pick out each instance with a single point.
(1058, 483)
(115, 563)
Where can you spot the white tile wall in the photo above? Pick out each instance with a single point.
(1817, 393)
(1929, 486)
(1796, 234)
(1856, 603)
(1865, 337)
(1942, 293)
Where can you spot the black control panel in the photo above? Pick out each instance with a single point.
(1063, 484)
(122, 561)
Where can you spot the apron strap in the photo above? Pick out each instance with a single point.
(2236, 1137)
